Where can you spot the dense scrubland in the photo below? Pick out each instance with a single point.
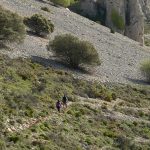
(28, 95)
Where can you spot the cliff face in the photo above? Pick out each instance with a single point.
(130, 12)
(145, 5)
(135, 28)
(118, 6)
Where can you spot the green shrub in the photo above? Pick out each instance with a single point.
(104, 107)
(110, 134)
(40, 25)
(145, 69)
(147, 27)
(2, 145)
(135, 123)
(112, 31)
(63, 3)
(108, 97)
(14, 138)
(73, 51)
(45, 9)
(12, 28)
(117, 20)
(123, 142)
(147, 42)
(114, 96)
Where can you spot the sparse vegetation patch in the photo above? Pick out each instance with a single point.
(39, 24)
(117, 20)
(45, 9)
(145, 69)
(63, 3)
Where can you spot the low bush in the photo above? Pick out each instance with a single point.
(117, 20)
(2, 145)
(124, 143)
(104, 107)
(63, 3)
(147, 27)
(73, 51)
(14, 138)
(12, 28)
(147, 41)
(45, 9)
(112, 31)
(40, 25)
(145, 69)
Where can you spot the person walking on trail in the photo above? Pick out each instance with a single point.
(58, 105)
(64, 101)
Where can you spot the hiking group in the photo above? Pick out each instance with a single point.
(63, 103)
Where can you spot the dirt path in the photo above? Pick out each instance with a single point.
(141, 140)
(33, 121)
(136, 108)
(109, 112)
(110, 109)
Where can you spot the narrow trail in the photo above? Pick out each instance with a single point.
(136, 108)
(109, 112)
(105, 148)
(123, 117)
(28, 124)
(32, 122)
(141, 140)
(136, 140)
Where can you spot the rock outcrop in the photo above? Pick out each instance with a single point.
(135, 27)
(129, 12)
(145, 4)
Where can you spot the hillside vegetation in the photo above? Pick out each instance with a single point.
(29, 120)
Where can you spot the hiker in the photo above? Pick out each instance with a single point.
(58, 105)
(64, 101)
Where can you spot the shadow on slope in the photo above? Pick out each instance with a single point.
(138, 81)
(56, 63)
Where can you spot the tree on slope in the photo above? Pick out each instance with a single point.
(145, 69)
(12, 28)
(73, 51)
(63, 3)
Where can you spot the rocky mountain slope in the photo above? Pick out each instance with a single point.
(120, 55)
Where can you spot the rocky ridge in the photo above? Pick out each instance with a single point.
(130, 12)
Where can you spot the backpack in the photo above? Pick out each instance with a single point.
(58, 104)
